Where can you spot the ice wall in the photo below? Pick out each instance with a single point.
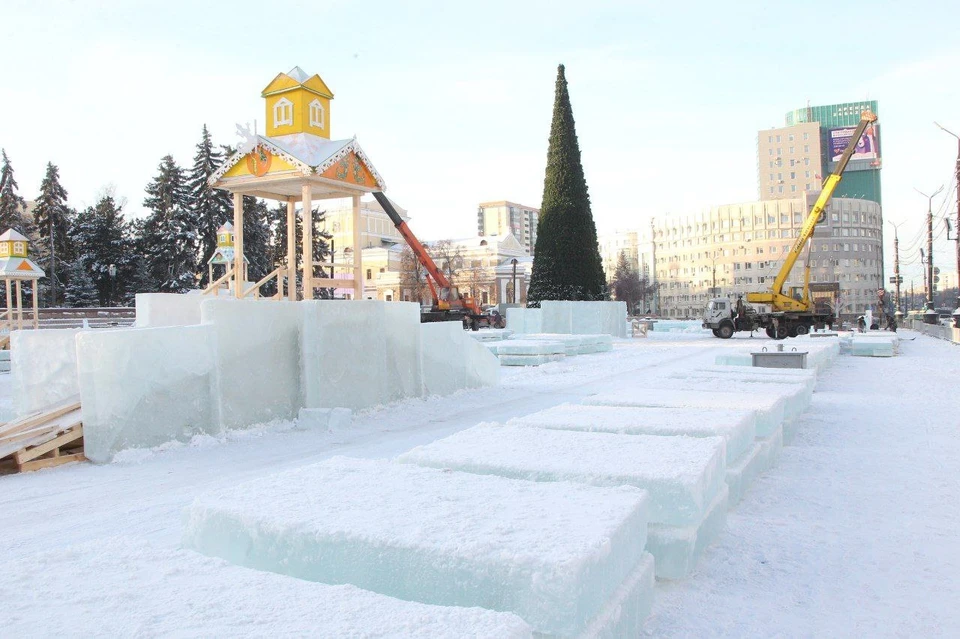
(168, 309)
(258, 357)
(360, 353)
(44, 368)
(144, 387)
(581, 318)
(451, 359)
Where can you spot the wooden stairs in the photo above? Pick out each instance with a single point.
(42, 439)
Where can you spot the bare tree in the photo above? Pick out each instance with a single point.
(413, 276)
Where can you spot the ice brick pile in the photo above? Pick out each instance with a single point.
(534, 349)
(245, 363)
(567, 558)
(874, 344)
(571, 318)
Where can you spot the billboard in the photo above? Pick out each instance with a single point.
(868, 148)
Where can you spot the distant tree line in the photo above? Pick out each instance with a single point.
(99, 257)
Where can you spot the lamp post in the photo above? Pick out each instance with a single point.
(513, 296)
(930, 315)
(897, 313)
(112, 272)
(956, 313)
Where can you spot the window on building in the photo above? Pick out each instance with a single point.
(791, 150)
(369, 274)
(778, 138)
(282, 112)
(316, 115)
(779, 151)
(806, 161)
(806, 135)
(793, 187)
(793, 174)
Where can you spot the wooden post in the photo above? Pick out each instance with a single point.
(36, 294)
(357, 250)
(291, 251)
(238, 245)
(19, 306)
(9, 316)
(307, 242)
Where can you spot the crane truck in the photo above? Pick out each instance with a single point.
(794, 313)
(448, 303)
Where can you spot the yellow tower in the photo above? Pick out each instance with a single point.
(297, 103)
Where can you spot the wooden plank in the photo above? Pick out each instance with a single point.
(70, 435)
(37, 464)
(39, 418)
(8, 449)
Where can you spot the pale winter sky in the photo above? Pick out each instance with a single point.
(452, 101)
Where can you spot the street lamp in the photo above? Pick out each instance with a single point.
(930, 315)
(897, 313)
(112, 272)
(513, 296)
(956, 313)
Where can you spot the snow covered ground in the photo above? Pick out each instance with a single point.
(855, 533)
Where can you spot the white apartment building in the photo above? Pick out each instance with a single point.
(501, 218)
(633, 244)
(734, 249)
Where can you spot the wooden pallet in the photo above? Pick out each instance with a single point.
(46, 438)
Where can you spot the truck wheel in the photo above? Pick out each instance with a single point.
(725, 331)
(781, 332)
(770, 333)
(792, 330)
(715, 332)
(802, 329)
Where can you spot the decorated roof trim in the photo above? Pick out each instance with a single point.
(303, 167)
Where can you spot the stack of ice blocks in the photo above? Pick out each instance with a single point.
(576, 344)
(768, 407)
(566, 558)
(158, 591)
(874, 344)
(684, 476)
(523, 352)
(736, 427)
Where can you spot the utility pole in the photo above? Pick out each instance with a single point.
(956, 313)
(896, 271)
(653, 244)
(930, 315)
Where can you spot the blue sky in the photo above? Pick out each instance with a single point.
(452, 101)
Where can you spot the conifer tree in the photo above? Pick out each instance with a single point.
(210, 207)
(52, 219)
(321, 243)
(99, 238)
(626, 284)
(169, 233)
(256, 238)
(81, 292)
(12, 205)
(566, 262)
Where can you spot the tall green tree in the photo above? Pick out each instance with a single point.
(278, 242)
(210, 207)
(626, 284)
(99, 237)
(12, 205)
(170, 234)
(82, 292)
(52, 218)
(566, 262)
(256, 238)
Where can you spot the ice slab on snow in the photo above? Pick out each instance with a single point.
(451, 360)
(770, 448)
(135, 589)
(797, 390)
(584, 317)
(769, 408)
(359, 353)
(324, 419)
(682, 474)
(531, 347)
(871, 346)
(676, 550)
(553, 553)
(168, 309)
(490, 334)
(736, 427)
(44, 368)
(258, 356)
(530, 360)
(142, 387)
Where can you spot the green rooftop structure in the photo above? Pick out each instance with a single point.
(862, 177)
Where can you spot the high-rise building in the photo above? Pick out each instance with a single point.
(500, 218)
(797, 157)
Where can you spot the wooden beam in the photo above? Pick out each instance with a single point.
(307, 242)
(38, 418)
(19, 305)
(291, 249)
(36, 295)
(238, 244)
(51, 461)
(357, 252)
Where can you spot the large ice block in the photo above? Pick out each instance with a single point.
(571, 343)
(531, 347)
(769, 408)
(451, 360)
(797, 391)
(682, 474)
(742, 471)
(676, 549)
(530, 360)
(771, 446)
(44, 367)
(873, 346)
(142, 387)
(258, 357)
(147, 590)
(525, 320)
(168, 309)
(584, 317)
(358, 354)
(736, 427)
(553, 553)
